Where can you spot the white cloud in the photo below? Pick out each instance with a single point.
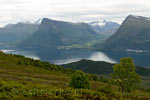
(71, 10)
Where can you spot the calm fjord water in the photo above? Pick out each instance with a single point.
(67, 56)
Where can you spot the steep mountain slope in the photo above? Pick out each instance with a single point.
(100, 67)
(13, 33)
(52, 33)
(106, 28)
(133, 34)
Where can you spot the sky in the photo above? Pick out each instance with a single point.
(13, 11)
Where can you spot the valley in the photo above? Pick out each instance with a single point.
(40, 60)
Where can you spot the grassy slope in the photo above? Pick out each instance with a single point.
(12, 70)
(105, 68)
(24, 78)
(18, 71)
(19, 68)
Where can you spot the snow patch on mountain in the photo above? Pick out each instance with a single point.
(25, 22)
(136, 16)
(98, 23)
(38, 22)
(140, 17)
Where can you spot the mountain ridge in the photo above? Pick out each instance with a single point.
(60, 33)
(104, 27)
(12, 33)
(132, 34)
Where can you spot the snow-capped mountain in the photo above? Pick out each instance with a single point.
(140, 17)
(59, 34)
(25, 22)
(98, 23)
(38, 22)
(105, 27)
(132, 36)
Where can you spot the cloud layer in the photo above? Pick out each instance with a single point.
(12, 11)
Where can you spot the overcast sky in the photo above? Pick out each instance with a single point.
(12, 11)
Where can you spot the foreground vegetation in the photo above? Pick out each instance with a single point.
(27, 79)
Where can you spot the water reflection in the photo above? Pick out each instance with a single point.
(63, 56)
(99, 56)
(66, 56)
(95, 56)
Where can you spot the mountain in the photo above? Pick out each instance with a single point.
(13, 33)
(107, 28)
(52, 33)
(133, 35)
(100, 67)
(38, 22)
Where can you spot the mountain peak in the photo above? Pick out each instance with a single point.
(104, 27)
(59, 34)
(44, 20)
(102, 23)
(25, 22)
(9, 25)
(138, 17)
(38, 22)
(134, 16)
(98, 23)
(47, 21)
(133, 29)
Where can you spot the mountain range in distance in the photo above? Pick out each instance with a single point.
(106, 28)
(132, 36)
(60, 34)
(13, 33)
(53, 33)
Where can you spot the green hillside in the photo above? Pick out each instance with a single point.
(101, 67)
(27, 79)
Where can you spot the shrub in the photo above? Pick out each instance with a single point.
(80, 80)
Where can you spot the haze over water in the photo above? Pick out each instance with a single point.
(68, 56)
(65, 56)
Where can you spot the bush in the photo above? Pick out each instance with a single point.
(80, 80)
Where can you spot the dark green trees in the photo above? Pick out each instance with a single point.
(80, 80)
(125, 76)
